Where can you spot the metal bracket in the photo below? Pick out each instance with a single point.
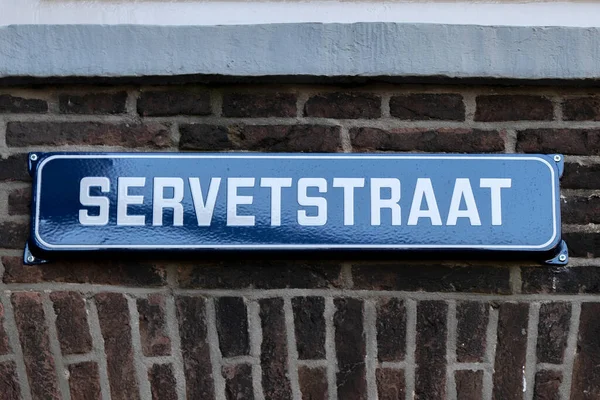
(561, 257)
(32, 160)
(30, 259)
(559, 159)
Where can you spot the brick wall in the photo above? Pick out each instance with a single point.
(272, 329)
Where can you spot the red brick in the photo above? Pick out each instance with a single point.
(153, 329)
(71, 322)
(191, 314)
(350, 349)
(13, 235)
(151, 135)
(430, 354)
(309, 325)
(511, 350)
(92, 103)
(84, 381)
(391, 329)
(238, 382)
(232, 326)
(108, 272)
(461, 140)
(115, 325)
(469, 385)
(9, 381)
(472, 321)
(273, 354)
(581, 210)
(14, 168)
(586, 373)
(255, 105)
(513, 108)
(581, 109)
(14, 104)
(343, 106)
(313, 383)
(391, 384)
(162, 382)
(578, 176)
(428, 106)
(547, 385)
(4, 340)
(35, 343)
(19, 201)
(553, 329)
(565, 141)
(173, 102)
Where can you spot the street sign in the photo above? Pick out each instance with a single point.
(105, 202)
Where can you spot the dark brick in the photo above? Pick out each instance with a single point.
(13, 235)
(586, 371)
(424, 107)
(511, 351)
(191, 313)
(9, 382)
(572, 280)
(547, 385)
(151, 135)
(266, 274)
(153, 327)
(580, 210)
(581, 109)
(313, 383)
(461, 140)
(113, 272)
(469, 385)
(391, 384)
(350, 349)
(276, 138)
(71, 322)
(4, 341)
(19, 201)
(430, 354)
(565, 141)
(35, 343)
(162, 382)
(582, 244)
(513, 108)
(254, 105)
(84, 381)
(232, 326)
(92, 103)
(21, 105)
(391, 329)
(343, 106)
(14, 168)
(472, 320)
(273, 355)
(173, 102)
(114, 317)
(431, 278)
(553, 330)
(309, 325)
(238, 382)
(577, 176)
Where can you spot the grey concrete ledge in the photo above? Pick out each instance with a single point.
(305, 49)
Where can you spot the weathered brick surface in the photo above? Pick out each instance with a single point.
(350, 349)
(553, 329)
(469, 385)
(71, 322)
(173, 102)
(586, 373)
(581, 109)
(581, 176)
(428, 106)
(571, 280)
(191, 314)
(580, 210)
(459, 140)
(547, 385)
(149, 135)
(313, 383)
(309, 326)
(511, 350)
(391, 384)
(232, 326)
(391, 329)
(153, 326)
(115, 326)
(19, 201)
(4, 341)
(472, 321)
(14, 168)
(256, 105)
(513, 108)
(343, 106)
(92, 103)
(238, 382)
(9, 381)
(13, 235)
(16, 104)
(565, 141)
(273, 357)
(162, 382)
(430, 354)
(35, 344)
(84, 381)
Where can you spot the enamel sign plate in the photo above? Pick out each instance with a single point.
(235, 201)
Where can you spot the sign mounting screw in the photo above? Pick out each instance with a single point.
(33, 157)
(557, 158)
(30, 258)
(562, 257)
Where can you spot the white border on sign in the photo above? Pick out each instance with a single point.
(291, 246)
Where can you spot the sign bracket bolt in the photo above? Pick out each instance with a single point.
(557, 158)
(33, 157)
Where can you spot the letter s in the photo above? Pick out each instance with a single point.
(94, 201)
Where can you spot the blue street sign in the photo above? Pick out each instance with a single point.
(239, 201)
